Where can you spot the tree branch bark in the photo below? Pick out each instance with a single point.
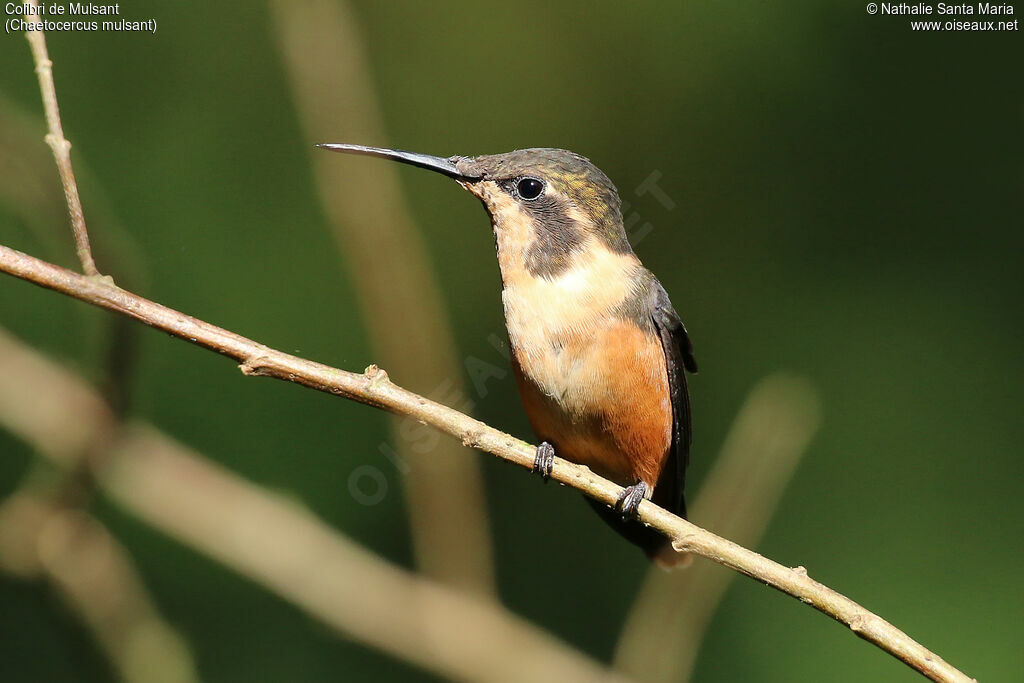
(375, 389)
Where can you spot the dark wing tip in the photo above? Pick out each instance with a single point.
(689, 360)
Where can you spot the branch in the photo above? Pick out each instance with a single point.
(271, 540)
(375, 389)
(61, 148)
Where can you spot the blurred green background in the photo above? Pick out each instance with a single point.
(848, 199)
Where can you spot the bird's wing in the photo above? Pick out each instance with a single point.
(668, 492)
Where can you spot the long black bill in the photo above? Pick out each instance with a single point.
(439, 164)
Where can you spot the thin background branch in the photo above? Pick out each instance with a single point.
(402, 307)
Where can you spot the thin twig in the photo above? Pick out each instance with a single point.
(327, 66)
(374, 388)
(272, 540)
(61, 148)
(665, 628)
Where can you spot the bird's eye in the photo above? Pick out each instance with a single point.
(529, 188)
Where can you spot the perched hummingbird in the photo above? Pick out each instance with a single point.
(598, 352)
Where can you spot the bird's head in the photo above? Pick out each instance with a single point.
(546, 205)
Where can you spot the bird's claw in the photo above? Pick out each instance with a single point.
(544, 461)
(628, 503)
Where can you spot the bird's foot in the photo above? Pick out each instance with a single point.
(629, 500)
(544, 461)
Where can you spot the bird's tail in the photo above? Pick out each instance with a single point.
(652, 542)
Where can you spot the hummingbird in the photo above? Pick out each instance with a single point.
(598, 352)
